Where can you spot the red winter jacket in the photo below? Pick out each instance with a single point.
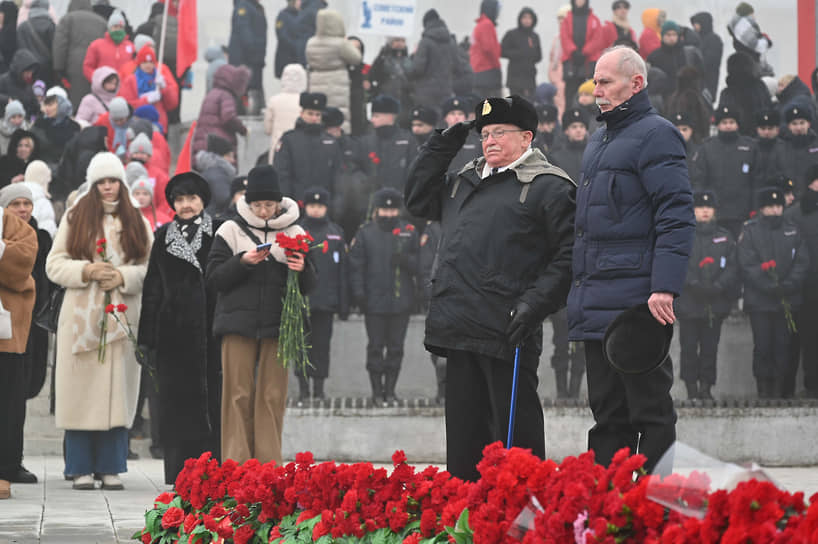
(170, 95)
(594, 38)
(161, 150)
(610, 34)
(155, 216)
(484, 52)
(104, 52)
(649, 42)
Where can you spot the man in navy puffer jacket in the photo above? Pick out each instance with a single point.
(633, 233)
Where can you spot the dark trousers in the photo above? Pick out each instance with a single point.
(699, 341)
(178, 451)
(566, 354)
(386, 334)
(787, 386)
(319, 342)
(12, 412)
(771, 345)
(630, 410)
(478, 397)
(808, 332)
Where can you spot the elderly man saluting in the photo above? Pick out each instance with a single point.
(503, 265)
(633, 234)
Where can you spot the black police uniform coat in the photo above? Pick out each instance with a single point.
(390, 151)
(176, 324)
(331, 294)
(712, 285)
(383, 268)
(728, 168)
(569, 157)
(506, 238)
(801, 152)
(805, 214)
(308, 156)
(248, 34)
(772, 160)
(765, 239)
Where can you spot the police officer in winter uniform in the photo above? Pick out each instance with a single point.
(770, 290)
(709, 291)
(353, 188)
(801, 145)
(546, 139)
(248, 45)
(684, 123)
(454, 111)
(503, 267)
(569, 155)
(307, 155)
(771, 149)
(726, 165)
(383, 261)
(389, 148)
(804, 214)
(331, 295)
(423, 123)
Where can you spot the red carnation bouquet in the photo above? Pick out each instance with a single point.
(292, 342)
(770, 268)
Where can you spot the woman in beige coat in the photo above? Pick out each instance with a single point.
(96, 389)
(284, 108)
(329, 54)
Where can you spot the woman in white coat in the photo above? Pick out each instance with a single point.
(329, 54)
(284, 109)
(97, 389)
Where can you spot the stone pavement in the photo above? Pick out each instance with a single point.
(51, 512)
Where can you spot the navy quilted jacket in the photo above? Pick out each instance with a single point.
(634, 223)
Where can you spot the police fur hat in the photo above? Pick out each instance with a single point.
(573, 115)
(635, 343)
(769, 118)
(313, 101)
(513, 110)
(547, 113)
(262, 184)
(332, 117)
(187, 183)
(238, 184)
(316, 195)
(770, 196)
(796, 112)
(725, 112)
(424, 115)
(387, 198)
(682, 119)
(703, 199)
(455, 103)
(218, 145)
(383, 103)
(785, 183)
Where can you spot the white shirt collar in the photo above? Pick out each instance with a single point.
(487, 169)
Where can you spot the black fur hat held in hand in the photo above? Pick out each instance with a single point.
(635, 343)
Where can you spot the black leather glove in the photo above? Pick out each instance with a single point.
(521, 324)
(459, 132)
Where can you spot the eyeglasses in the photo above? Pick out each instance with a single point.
(498, 133)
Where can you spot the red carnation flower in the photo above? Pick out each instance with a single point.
(191, 522)
(753, 214)
(109, 309)
(100, 250)
(146, 538)
(243, 534)
(706, 261)
(122, 308)
(325, 247)
(165, 497)
(396, 231)
(102, 242)
(399, 457)
(173, 518)
(410, 228)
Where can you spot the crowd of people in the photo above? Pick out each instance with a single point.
(85, 162)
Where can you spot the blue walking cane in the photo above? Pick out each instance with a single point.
(513, 409)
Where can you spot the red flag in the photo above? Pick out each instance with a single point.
(184, 160)
(187, 40)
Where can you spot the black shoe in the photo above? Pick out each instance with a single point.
(704, 392)
(692, 390)
(157, 452)
(22, 476)
(132, 455)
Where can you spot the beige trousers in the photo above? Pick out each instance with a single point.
(253, 404)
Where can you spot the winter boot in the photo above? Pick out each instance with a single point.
(440, 374)
(561, 377)
(692, 390)
(254, 102)
(389, 386)
(303, 388)
(764, 388)
(575, 383)
(376, 381)
(318, 388)
(704, 391)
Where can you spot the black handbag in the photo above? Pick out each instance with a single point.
(49, 315)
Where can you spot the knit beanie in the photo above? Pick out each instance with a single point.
(116, 19)
(105, 165)
(587, 87)
(218, 145)
(118, 109)
(15, 107)
(13, 192)
(141, 40)
(744, 9)
(146, 54)
(145, 183)
(671, 25)
(141, 144)
(262, 184)
(135, 170)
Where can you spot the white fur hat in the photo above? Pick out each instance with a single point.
(38, 172)
(105, 165)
